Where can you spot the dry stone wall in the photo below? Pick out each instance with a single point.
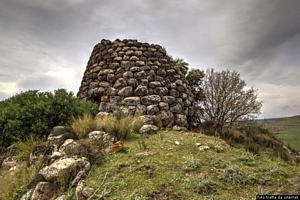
(139, 78)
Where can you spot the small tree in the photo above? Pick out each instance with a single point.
(195, 78)
(226, 100)
(179, 62)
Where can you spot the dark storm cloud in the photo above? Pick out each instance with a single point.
(46, 44)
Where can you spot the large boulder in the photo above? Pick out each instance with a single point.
(107, 139)
(64, 168)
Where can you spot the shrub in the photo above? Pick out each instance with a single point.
(83, 125)
(37, 113)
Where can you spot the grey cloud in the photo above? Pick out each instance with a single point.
(260, 39)
(40, 82)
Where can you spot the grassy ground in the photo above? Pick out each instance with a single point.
(168, 165)
(287, 130)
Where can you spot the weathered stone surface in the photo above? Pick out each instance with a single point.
(44, 150)
(128, 75)
(9, 162)
(147, 119)
(141, 91)
(120, 83)
(62, 197)
(148, 129)
(133, 82)
(128, 110)
(111, 91)
(78, 190)
(27, 195)
(102, 114)
(179, 128)
(166, 117)
(177, 108)
(107, 107)
(126, 91)
(140, 75)
(174, 93)
(163, 106)
(68, 147)
(131, 101)
(43, 191)
(140, 109)
(87, 192)
(107, 139)
(64, 167)
(150, 100)
(168, 99)
(161, 91)
(152, 109)
(181, 120)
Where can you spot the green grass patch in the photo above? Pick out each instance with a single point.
(170, 166)
(286, 130)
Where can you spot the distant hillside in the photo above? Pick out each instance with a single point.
(286, 129)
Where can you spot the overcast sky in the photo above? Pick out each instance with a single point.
(46, 45)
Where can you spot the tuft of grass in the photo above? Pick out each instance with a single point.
(23, 149)
(13, 183)
(83, 125)
(191, 163)
(235, 175)
(136, 124)
(201, 185)
(247, 158)
(120, 126)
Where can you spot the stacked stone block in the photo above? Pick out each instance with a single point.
(139, 78)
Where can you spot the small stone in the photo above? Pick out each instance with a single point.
(87, 192)
(204, 148)
(148, 129)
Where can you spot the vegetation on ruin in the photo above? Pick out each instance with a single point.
(243, 157)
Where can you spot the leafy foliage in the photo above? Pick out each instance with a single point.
(34, 112)
(179, 62)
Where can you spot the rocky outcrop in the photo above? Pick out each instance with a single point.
(140, 78)
(62, 164)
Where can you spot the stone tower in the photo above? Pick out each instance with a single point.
(139, 78)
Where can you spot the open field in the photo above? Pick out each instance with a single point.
(287, 130)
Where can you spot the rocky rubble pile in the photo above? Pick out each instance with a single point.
(139, 78)
(62, 166)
